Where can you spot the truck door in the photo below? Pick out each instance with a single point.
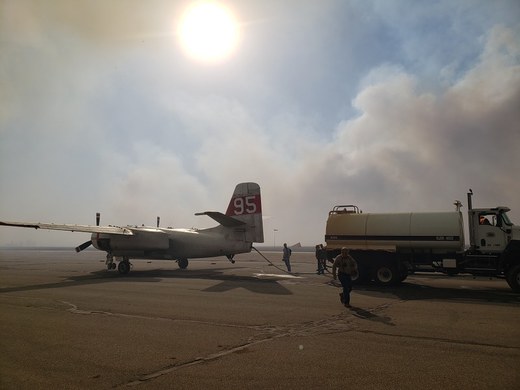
(490, 236)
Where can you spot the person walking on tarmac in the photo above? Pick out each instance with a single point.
(323, 257)
(346, 266)
(287, 256)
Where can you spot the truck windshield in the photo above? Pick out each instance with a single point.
(506, 219)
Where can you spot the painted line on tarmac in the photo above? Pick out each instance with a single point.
(275, 276)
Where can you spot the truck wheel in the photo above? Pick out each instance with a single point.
(513, 278)
(386, 275)
(452, 272)
(361, 276)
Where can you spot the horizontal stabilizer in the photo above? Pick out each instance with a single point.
(71, 228)
(224, 220)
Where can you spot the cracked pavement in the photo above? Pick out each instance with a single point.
(67, 323)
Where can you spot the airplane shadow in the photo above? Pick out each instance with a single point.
(227, 282)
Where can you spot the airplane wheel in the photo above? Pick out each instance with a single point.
(113, 266)
(183, 263)
(123, 267)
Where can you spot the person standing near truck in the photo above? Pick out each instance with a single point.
(319, 259)
(323, 257)
(287, 257)
(345, 266)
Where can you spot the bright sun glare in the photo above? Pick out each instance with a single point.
(208, 31)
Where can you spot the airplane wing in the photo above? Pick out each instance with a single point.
(71, 228)
(223, 219)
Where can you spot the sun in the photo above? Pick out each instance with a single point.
(208, 31)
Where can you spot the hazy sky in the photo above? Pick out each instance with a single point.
(390, 105)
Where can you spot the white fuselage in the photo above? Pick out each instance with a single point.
(173, 244)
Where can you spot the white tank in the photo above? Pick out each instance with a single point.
(436, 232)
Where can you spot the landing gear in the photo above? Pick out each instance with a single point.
(230, 258)
(183, 263)
(110, 262)
(124, 266)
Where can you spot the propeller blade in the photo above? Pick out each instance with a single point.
(85, 245)
(98, 217)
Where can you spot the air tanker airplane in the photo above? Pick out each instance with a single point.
(236, 232)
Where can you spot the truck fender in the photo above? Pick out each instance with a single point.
(510, 257)
(510, 264)
(513, 277)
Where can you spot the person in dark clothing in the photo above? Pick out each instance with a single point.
(319, 259)
(323, 254)
(345, 266)
(287, 256)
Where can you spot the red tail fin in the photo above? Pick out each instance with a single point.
(246, 205)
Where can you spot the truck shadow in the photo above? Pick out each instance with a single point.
(418, 291)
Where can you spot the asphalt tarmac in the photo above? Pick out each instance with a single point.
(66, 322)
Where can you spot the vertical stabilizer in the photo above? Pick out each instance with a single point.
(246, 206)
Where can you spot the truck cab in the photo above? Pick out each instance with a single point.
(492, 229)
(493, 236)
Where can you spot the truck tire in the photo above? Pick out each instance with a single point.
(361, 276)
(452, 272)
(386, 274)
(513, 278)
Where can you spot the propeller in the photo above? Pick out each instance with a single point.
(158, 220)
(85, 245)
(88, 243)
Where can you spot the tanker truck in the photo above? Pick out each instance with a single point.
(389, 246)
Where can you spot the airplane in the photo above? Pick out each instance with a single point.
(238, 229)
